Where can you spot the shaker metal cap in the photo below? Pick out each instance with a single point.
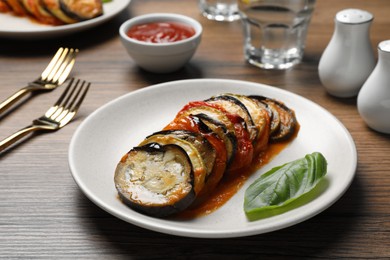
(354, 16)
(384, 46)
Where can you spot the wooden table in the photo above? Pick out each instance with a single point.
(43, 213)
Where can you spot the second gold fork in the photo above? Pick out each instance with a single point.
(54, 75)
(57, 116)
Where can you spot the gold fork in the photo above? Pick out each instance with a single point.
(54, 75)
(57, 116)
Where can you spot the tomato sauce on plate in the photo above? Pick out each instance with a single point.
(231, 183)
(161, 32)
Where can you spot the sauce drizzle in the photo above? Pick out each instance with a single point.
(230, 184)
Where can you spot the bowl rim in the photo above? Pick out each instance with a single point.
(164, 17)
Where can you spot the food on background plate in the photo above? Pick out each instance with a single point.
(4, 8)
(206, 142)
(54, 12)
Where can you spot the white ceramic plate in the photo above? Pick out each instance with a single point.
(24, 28)
(112, 130)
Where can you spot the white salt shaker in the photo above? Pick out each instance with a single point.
(374, 98)
(349, 58)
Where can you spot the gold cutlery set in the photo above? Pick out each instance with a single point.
(66, 107)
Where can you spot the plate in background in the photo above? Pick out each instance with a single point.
(25, 28)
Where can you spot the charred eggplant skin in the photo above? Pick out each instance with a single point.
(54, 7)
(202, 145)
(159, 206)
(288, 122)
(17, 7)
(250, 126)
(230, 138)
(193, 148)
(81, 10)
(217, 120)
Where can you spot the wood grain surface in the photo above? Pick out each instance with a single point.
(43, 213)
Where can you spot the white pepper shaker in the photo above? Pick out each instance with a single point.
(349, 58)
(374, 98)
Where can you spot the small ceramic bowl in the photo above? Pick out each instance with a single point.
(161, 57)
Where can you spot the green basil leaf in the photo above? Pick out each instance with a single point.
(284, 184)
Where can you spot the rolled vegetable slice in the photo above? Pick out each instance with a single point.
(194, 123)
(81, 9)
(54, 7)
(287, 120)
(243, 153)
(4, 7)
(217, 121)
(17, 7)
(199, 158)
(37, 10)
(156, 179)
(234, 106)
(261, 121)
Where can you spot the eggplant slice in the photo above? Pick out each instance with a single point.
(4, 7)
(81, 10)
(200, 152)
(234, 106)
(201, 144)
(17, 7)
(287, 120)
(219, 123)
(54, 7)
(260, 118)
(156, 179)
(35, 9)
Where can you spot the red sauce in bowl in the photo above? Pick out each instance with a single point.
(161, 32)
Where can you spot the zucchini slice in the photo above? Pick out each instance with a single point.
(82, 9)
(156, 179)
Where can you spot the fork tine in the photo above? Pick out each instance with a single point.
(63, 71)
(57, 65)
(52, 63)
(49, 113)
(66, 68)
(69, 101)
(58, 70)
(76, 105)
(72, 104)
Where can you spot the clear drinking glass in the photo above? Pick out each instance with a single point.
(275, 31)
(219, 10)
